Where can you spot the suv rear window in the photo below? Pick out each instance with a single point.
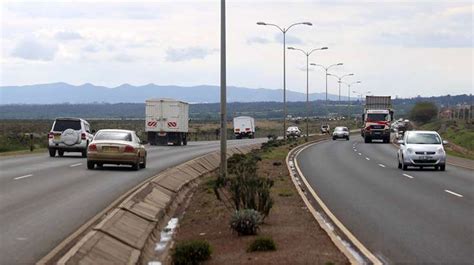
(62, 125)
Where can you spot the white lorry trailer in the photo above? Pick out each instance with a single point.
(166, 121)
(244, 126)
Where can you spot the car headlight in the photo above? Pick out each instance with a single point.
(440, 151)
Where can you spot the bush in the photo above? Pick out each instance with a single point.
(262, 244)
(246, 222)
(424, 112)
(191, 252)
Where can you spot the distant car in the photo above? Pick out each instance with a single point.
(340, 132)
(293, 131)
(69, 135)
(325, 129)
(119, 147)
(421, 149)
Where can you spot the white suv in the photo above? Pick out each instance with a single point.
(69, 135)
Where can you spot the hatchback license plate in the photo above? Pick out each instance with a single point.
(426, 157)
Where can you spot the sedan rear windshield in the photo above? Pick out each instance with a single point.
(423, 138)
(115, 136)
(62, 125)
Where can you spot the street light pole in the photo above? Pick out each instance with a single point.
(326, 68)
(284, 31)
(349, 96)
(223, 164)
(339, 81)
(307, 54)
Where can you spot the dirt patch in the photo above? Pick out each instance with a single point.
(298, 237)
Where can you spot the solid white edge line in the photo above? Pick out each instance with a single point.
(328, 212)
(22, 177)
(408, 176)
(454, 193)
(75, 165)
(381, 165)
(367, 158)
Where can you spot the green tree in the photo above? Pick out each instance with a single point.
(424, 112)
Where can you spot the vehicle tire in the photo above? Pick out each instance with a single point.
(52, 152)
(436, 167)
(347, 138)
(136, 166)
(84, 153)
(60, 153)
(90, 165)
(367, 140)
(442, 167)
(185, 140)
(334, 138)
(399, 164)
(404, 167)
(143, 164)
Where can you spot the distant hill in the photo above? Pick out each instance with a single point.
(210, 111)
(56, 93)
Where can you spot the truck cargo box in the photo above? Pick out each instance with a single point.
(166, 120)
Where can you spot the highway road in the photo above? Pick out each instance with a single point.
(415, 216)
(43, 199)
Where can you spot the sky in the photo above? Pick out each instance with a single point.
(397, 48)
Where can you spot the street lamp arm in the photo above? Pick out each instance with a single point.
(351, 74)
(320, 65)
(299, 23)
(278, 27)
(317, 49)
(296, 49)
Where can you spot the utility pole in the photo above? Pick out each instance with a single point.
(223, 165)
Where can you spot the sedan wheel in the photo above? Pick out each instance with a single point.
(90, 165)
(143, 164)
(442, 168)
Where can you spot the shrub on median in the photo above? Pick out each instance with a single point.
(246, 222)
(262, 244)
(191, 252)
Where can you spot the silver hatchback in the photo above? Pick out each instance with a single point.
(422, 149)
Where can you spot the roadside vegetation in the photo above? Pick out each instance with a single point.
(460, 133)
(257, 216)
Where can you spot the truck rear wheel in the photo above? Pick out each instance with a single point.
(185, 140)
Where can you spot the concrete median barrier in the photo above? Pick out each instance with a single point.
(128, 232)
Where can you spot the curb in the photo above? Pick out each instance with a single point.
(127, 230)
(344, 240)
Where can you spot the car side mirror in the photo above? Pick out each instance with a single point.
(93, 131)
(400, 142)
(445, 142)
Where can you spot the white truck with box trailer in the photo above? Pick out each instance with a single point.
(378, 114)
(167, 121)
(244, 126)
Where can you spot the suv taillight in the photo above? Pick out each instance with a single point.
(50, 135)
(129, 149)
(83, 136)
(92, 147)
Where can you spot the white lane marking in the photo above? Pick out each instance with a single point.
(408, 176)
(22, 177)
(21, 238)
(75, 165)
(382, 165)
(454, 193)
(355, 150)
(360, 154)
(367, 158)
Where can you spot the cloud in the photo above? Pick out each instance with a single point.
(90, 48)
(124, 58)
(68, 35)
(32, 49)
(258, 40)
(186, 54)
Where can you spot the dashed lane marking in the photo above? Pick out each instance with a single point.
(454, 193)
(408, 176)
(22, 177)
(360, 154)
(367, 158)
(381, 165)
(75, 165)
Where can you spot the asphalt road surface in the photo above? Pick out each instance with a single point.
(43, 199)
(414, 216)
